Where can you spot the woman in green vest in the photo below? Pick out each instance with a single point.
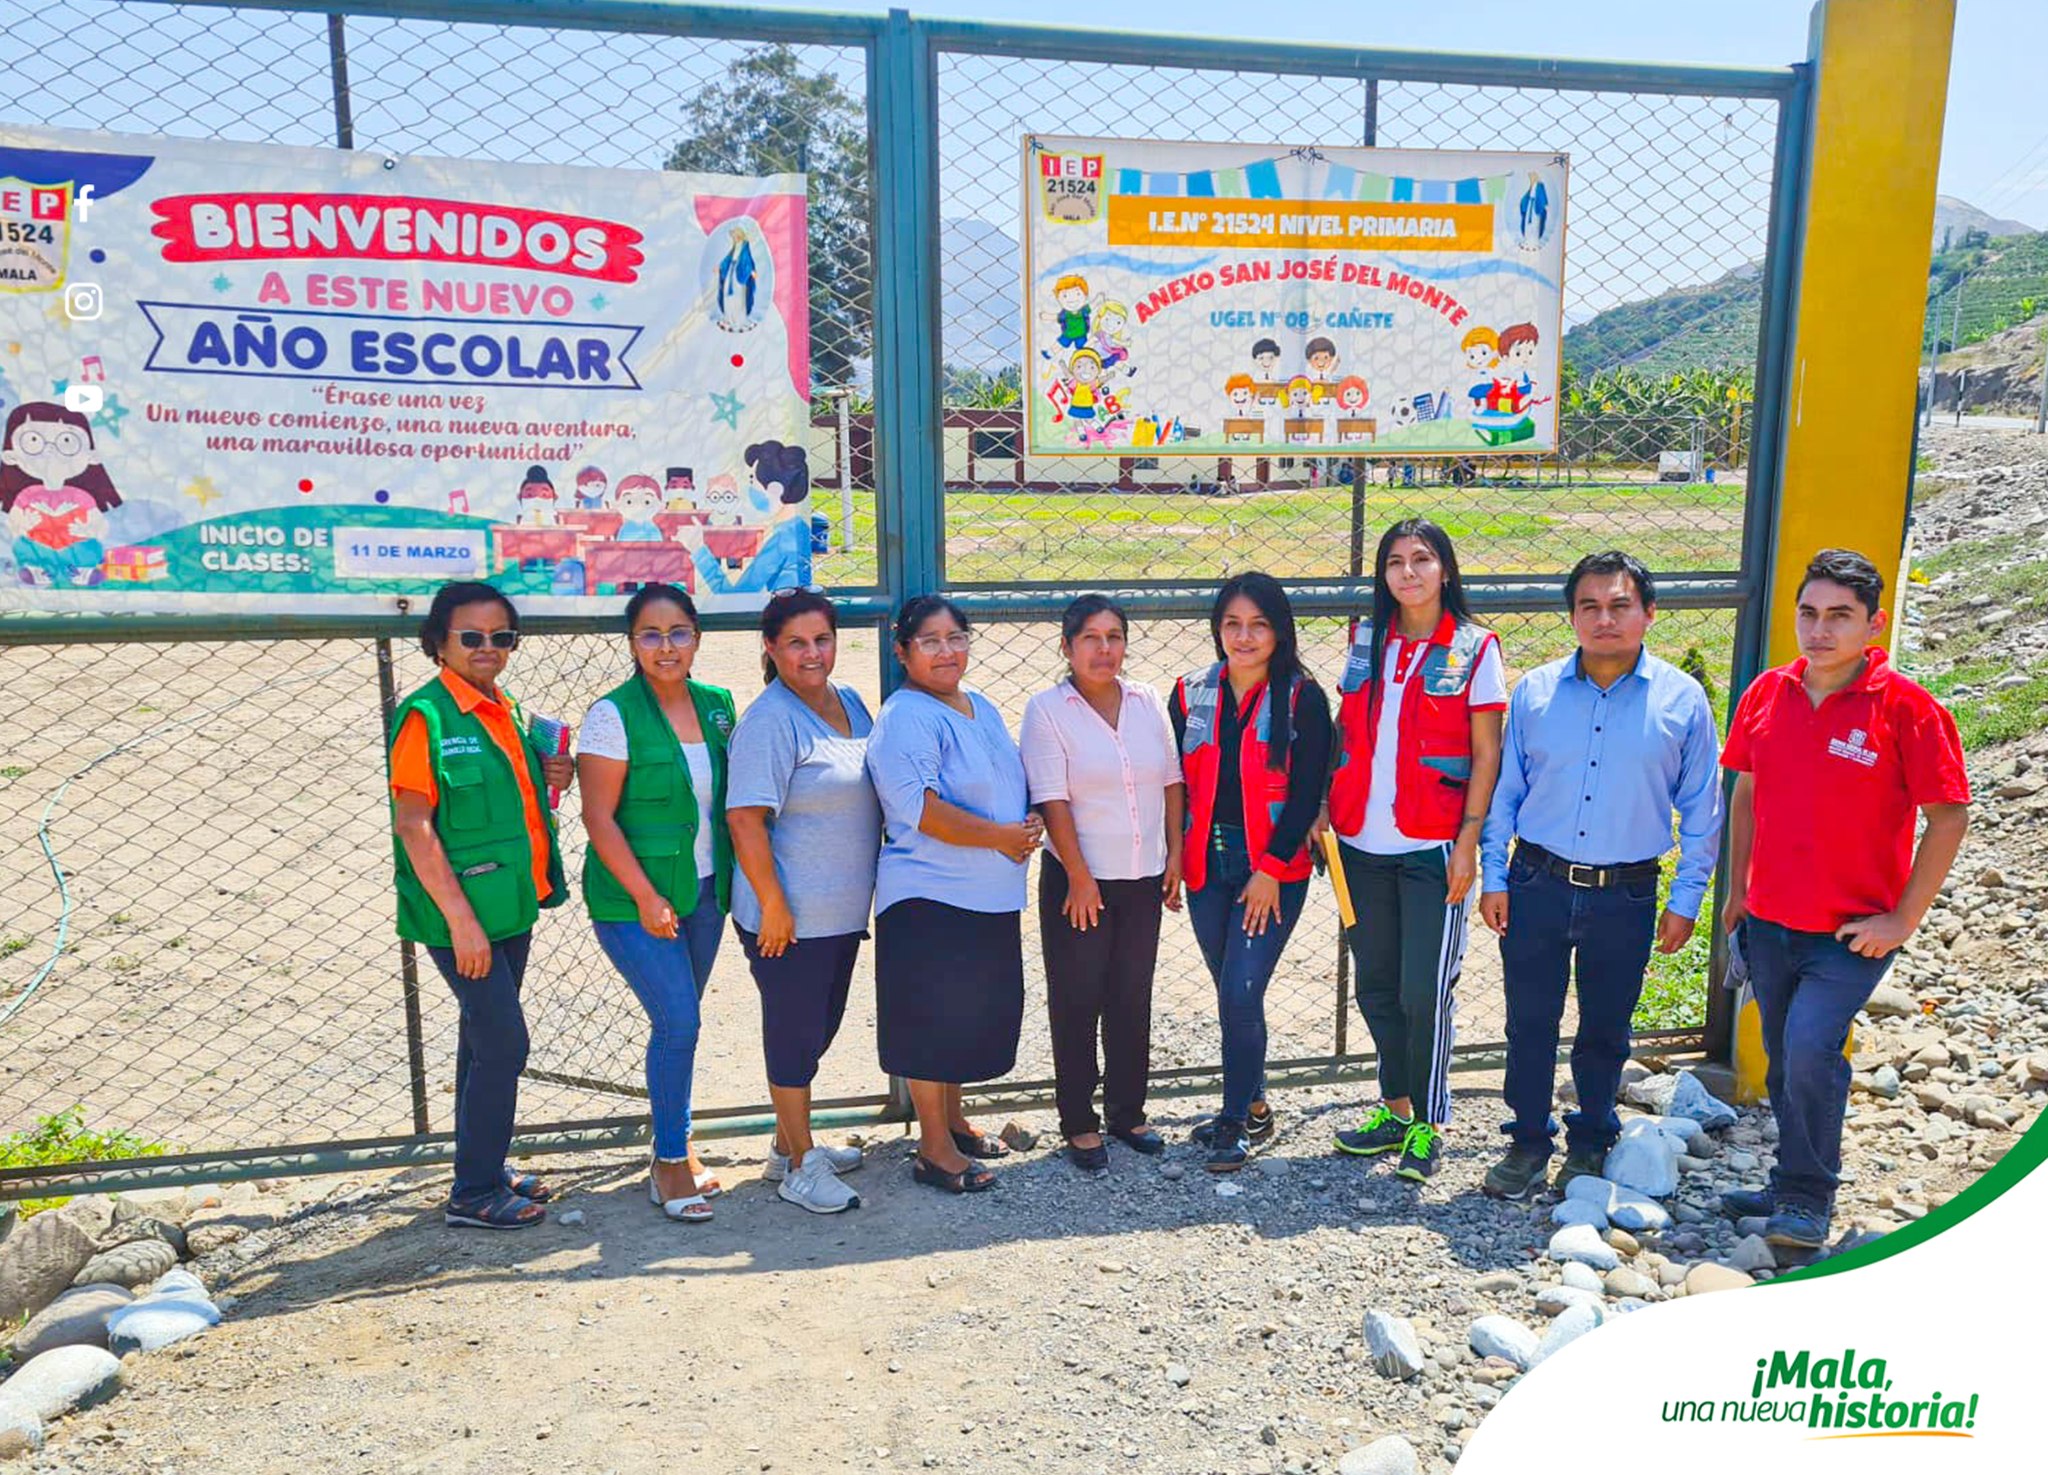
(658, 874)
(476, 859)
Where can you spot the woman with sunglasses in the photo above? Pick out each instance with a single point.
(806, 831)
(476, 859)
(658, 875)
(949, 892)
(1254, 733)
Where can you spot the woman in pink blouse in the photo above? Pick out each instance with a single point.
(1105, 775)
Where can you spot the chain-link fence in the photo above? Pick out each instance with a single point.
(196, 941)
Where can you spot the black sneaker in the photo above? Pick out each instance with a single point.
(1747, 1203)
(1228, 1146)
(1519, 1175)
(1581, 1162)
(1381, 1131)
(1795, 1227)
(1419, 1152)
(1259, 1125)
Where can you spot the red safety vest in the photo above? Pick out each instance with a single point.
(1264, 789)
(1433, 746)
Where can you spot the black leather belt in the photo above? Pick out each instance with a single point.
(1590, 877)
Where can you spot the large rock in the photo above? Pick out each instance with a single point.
(1582, 1242)
(1392, 1455)
(1652, 1094)
(39, 1261)
(136, 1263)
(1581, 1277)
(127, 1231)
(21, 1432)
(1556, 1300)
(1707, 1276)
(1889, 1001)
(1753, 1252)
(1634, 1210)
(78, 1318)
(171, 1204)
(1504, 1337)
(1687, 1130)
(1568, 1327)
(1396, 1351)
(61, 1380)
(1622, 1281)
(1691, 1099)
(1645, 1159)
(1578, 1211)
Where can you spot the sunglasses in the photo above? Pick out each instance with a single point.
(682, 638)
(497, 639)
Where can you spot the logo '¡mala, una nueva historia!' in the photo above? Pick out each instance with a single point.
(1833, 1397)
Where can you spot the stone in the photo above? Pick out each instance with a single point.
(1018, 1137)
(570, 1219)
(1670, 1275)
(1622, 1281)
(1178, 1375)
(38, 1261)
(1581, 1277)
(1568, 1328)
(21, 1432)
(60, 1381)
(1172, 1172)
(1274, 1167)
(136, 1263)
(1751, 1252)
(155, 1322)
(179, 1282)
(1639, 1212)
(1751, 1224)
(1653, 1093)
(1392, 1455)
(205, 1239)
(1707, 1276)
(77, 1318)
(143, 1226)
(1991, 878)
(1582, 1242)
(1556, 1300)
(1391, 1339)
(1889, 1001)
(1625, 1242)
(172, 1204)
(1499, 1280)
(1578, 1211)
(1691, 1099)
(1643, 1159)
(1503, 1337)
(1686, 1129)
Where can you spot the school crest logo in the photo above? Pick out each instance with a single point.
(1070, 188)
(1855, 747)
(35, 235)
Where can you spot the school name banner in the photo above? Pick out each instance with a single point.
(239, 377)
(1247, 299)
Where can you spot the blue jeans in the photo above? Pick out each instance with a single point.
(490, 1051)
(1609, 929)
(1241, 965)
(1808, 988)
(668, 975)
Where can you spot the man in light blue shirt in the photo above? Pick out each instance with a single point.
(1601, 747)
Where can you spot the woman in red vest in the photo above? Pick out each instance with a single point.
(1419, 721)
(1254, 735)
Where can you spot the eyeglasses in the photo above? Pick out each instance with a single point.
(788, 589)
(496, 639)
(682, 638)
(957, 642)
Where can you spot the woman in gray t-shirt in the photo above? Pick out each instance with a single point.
(806, 830)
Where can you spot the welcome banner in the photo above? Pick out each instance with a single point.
(243, 377)
(1227, 299)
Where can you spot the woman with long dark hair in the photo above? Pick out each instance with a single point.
(949, 950)
(658, 875)
(806, 831)
(476, 859)
(1105, 776)
(1419, 722)
(1254, 735)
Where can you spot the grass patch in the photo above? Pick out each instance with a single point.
(9, 946)
(13, 771)
(2006, 569)
(65, 1138)
(1675, 984)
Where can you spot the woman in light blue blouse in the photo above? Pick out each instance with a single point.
(949, 892)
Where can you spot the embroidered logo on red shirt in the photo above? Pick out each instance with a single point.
(1853, 748)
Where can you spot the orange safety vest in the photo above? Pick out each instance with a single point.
(1433, 746)
(1264, 789)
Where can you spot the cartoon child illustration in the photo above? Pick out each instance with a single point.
(55, 496)
(1084, 376)
(1266, 361)
(637, 499)
(592, 487)
(1518, 357)
(1301, 393)
(1481, 349)
(1112, 336)
(1322, 360)
(537, 498)
(1351, 395)
(722, 497)
(778, 492)
(1238, 388)
(681, 487)
(1071, 293)
(737, 276)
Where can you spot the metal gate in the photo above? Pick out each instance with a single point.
(196, 945)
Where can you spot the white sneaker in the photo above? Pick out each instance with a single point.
(842, 1159)
(814, 1186)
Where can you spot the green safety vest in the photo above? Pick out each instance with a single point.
(481, 820)
(658, 808)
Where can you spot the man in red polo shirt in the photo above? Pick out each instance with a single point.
(1837, 755)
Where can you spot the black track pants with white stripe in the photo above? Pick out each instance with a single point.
(1407, 950)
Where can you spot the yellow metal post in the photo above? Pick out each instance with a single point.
(1880, 89)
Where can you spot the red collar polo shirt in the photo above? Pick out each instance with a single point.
(1837, 790)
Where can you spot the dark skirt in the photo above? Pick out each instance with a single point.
(949, 991)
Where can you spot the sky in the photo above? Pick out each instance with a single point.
(1994, 145)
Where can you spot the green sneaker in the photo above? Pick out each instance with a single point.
(1381, 1131)
(1419, 1152)
(1581, 1162)
(1519, 1175)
